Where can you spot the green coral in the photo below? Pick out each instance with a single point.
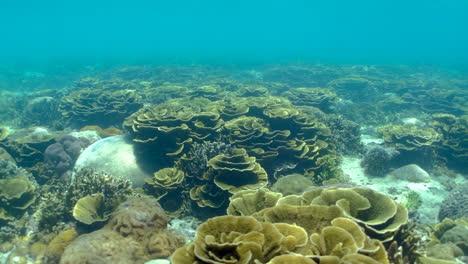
(18, 192)
(98, 107)
(236, 171)
(272, 132)
(416, 144)
(321, 98)
(412, 200)
(454, 143)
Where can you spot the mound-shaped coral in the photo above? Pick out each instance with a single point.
(61, 156)
(292, 184)
(43, 109)
(136, 233)
(455, 205)
(378, 160)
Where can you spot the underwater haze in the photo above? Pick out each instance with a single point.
(366, 31)
(233, 132)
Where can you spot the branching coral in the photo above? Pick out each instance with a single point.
(89, 182)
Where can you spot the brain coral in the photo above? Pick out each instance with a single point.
(136, 233)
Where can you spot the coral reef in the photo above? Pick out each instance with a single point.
(195, 161)
(89, 182)
(292, 184)
(321, 98)
(455, 205)
(42, 109)
(61, 156)
(98, 107)
(27, 146)
(454, 144)
(252, 142)
(244, 239)
(18, 192)
(416, 145)
(378, 160)
(136, 233)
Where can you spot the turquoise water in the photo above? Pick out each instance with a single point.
(366, 31)
(118, 116)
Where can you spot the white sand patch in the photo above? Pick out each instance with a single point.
(432, 193)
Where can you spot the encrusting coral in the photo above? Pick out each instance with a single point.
(136, 233)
